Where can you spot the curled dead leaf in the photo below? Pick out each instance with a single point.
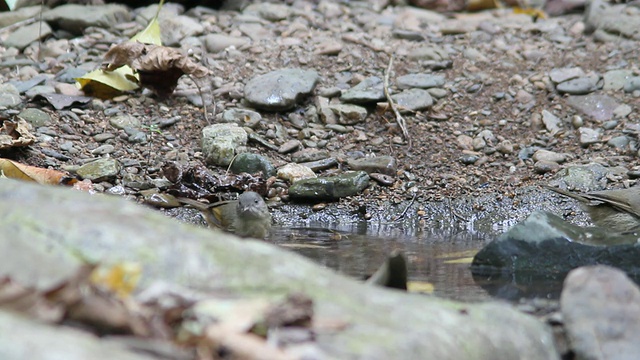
(16, 170)
(159, 67)
(15, 133)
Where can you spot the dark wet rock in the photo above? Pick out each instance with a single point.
(598, 107)
(469, 159)
(378, 164)
(251, 164)
(601, 313)
(281, 89)
(75, 18)
(219, 142)
(348, 114)
(412, 100)
(329, 187)
(322, 164)
(421, 80)
(293, 172)
(579, 86)
(533, 257)
(25, 35)
(35, 117)
(100, 170)
(369, 90)
(307, 155)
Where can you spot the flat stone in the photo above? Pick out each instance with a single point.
(378, 164)
(560, 75)
(218, 42)
(281, 89)
(35, 117)
(293, 172)
(348, 114)
(597, 107)
(100, 170)
(75, 18)
(124, 121)
(329, 187)
(25, 35)
(251, 164)
(420, 80)
(368, 90)
(615, 79)
(579, 86)
(412, 100)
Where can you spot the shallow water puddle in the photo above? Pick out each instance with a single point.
(438, 261)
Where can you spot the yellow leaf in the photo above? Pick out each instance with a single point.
(151, 34)
(420, 287)
(121, 278)
(466, 260)
(106, 85)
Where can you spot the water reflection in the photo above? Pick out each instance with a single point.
(354, 249)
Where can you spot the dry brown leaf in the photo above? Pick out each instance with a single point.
(159, 67)
(15, 133)
(15, 170)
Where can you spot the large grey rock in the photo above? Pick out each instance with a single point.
(76, 18)
(281, 89)
(601, 312)
(382, 324)
(25, 35)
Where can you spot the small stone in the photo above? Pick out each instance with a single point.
(619, 142)
(543, 167)
(293, 172)
(412, 100)
(329, 187)
(349, 114)
(219, 142)
(579, 86)
(379, 164)
(588, 136)
(420, 80)
(100, 170)
(252, 164)
(469, 159)
(103, 149)
(549, 156)
(563, 74)
(369, 90)
(281, 89)
(307, 155)
(383, 179)
(124, 121)
(289, 146)
(35, 117)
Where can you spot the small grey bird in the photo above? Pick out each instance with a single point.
(247, 217)
(617, 210)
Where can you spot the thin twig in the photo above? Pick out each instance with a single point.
(204, 103)
(404, 212)
(399, 119)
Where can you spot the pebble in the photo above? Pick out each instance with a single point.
(322, 164)
(420, 80)
(100, 170)
(75, 18)
(549, 156)
(289, 146)
(560, 75)
(219, 142)
(103, 149)
(124, 121)
(349, 114)
(588, 136)
(369, 90)
(619, 142)
(413, 100)
(35, 117)
(579, 86)
(251, 164)
(281, 89)
(615, 79)
(385, 164)
(543, 166)
(242, 117)
(25, 35)
(469, 159)
(294, 172)
(383, 179)
(632, 84)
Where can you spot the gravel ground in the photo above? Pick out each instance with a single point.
(514, 86)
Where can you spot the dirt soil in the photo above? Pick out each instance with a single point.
(504, 91)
